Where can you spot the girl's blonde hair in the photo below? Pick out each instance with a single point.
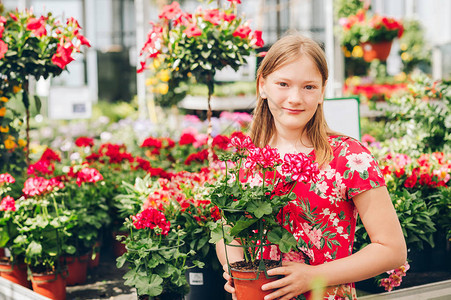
(285, 51)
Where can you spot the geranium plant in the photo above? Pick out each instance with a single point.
(35, 46)
(199, 44)
(361, 28)
(257, 185)
(156, 264)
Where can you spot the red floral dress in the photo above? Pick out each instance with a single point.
(323, 217)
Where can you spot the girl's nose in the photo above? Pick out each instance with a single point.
(295, 97)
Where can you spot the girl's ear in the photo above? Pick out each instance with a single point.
(261, 88)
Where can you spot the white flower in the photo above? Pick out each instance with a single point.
(359, 162)
(335, 222)
(340, 229)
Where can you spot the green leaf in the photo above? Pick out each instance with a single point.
(283, 238)
(34, 249)
(259, 208)
(241, 225)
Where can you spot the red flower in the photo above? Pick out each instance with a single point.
(62, 57)
(142, 163)
(142, 68)
(37, 26)
(400, 172)
(41, 167)
(221, 141)
(301, 168)
(200, 156)
(187, 138)
(266, 157)
(257, 36)
(425, 179)
(5, 177)
(240, 141)
(215, 213)
(3, 47)
(228, 17)
(88, 175)
(235, 1)
(84, 141)
(192, 30)
(8, 204)
(167, 142)
(13, 16)
(151, 218)
(151, 143)
(411, 181)
(242, 31)
(170, 11)
(50, 155)
(83, 40)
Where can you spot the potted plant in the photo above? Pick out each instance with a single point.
(197, 45)
(156, 264)
(12, 267)
(373, 33)
(256, 187)
(34, 46)
(44, 226)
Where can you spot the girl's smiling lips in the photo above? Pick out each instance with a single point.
(292, 111)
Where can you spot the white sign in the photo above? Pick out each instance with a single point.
(343, 115)
(245, 73)
(196, 278)
(66, 103)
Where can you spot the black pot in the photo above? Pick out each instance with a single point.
(205, 283)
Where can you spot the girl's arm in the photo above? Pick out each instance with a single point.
(233, 253)
(386, 251)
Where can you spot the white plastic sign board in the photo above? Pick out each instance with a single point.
(66, 103)
(343, 115)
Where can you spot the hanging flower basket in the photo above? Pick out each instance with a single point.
(379, 50)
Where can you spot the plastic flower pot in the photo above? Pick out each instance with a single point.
(118, 247)
(16, 273)
(51, 285)
(204, 282)
(2, 252)
(248, 284)
(379, 50)
(77, 267)
(94, 256)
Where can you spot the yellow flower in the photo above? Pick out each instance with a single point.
(164, 75)
(401, 77)
(189, 74)
(357, 51)
(163, 88)
(156, 63)
(4, 99)
(2, 111)
(4, 129)
(403, 46)
(22, 143)
(17, 89)
(151, 81)
(406, 56)
(9, 143)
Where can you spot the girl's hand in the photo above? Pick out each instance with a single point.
(228, 286)
(296, 281)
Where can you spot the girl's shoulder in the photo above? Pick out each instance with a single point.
(343, 143)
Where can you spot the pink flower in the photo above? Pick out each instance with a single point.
(242, 31)
(63, 57)
(213, 16)
(235, 1)
(13, 16)
(36, 186)
(37, 26)
(192, 30)
(266, 158)
(151, 218)
(257, 38)
(3, 48)
(8, 204)
(240, 141)
(301, 168)
(88, 175)
(6, 177)
(83, 40)
(170, 11)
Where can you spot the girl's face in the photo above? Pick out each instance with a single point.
(293, 93)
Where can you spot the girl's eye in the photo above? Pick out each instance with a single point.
(309, 87)
(283, 84)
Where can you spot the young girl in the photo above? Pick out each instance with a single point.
(291, 82)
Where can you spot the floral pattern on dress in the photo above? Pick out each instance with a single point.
(323, 217)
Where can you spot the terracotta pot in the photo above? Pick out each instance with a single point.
(249, 287)
(52, 285)
(118, 247)
(94, 262)
(16, 273)
(77, 267)
(379, 50)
